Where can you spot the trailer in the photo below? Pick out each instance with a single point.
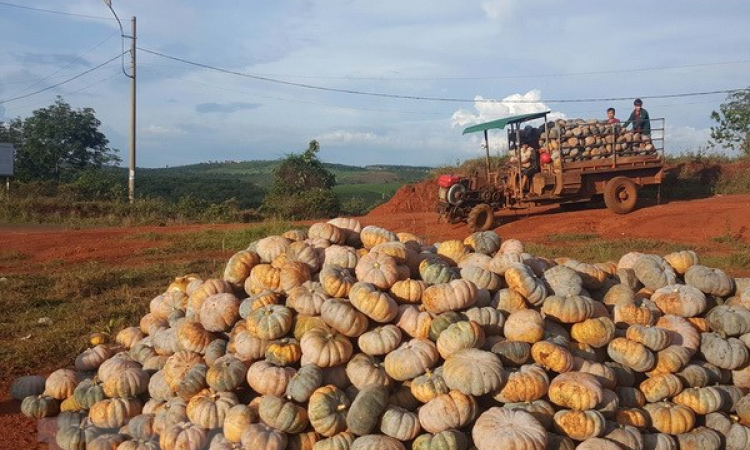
(584, 160)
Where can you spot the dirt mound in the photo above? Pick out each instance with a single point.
(410, 198)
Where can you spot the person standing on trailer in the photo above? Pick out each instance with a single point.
(639, 118)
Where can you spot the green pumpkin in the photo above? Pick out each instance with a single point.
(302, 385)
(40, 406)
(364, 413)
(282, 414)
(27, 386)
(435, 270)
(88, 392)
(444, 440)
(226, 374)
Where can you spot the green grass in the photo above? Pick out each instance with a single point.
(572, 237)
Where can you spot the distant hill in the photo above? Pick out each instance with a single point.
(246, 181)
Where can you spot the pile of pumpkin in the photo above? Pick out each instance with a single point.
(348, 338)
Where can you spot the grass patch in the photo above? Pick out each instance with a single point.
(572, 237)
(599, 250)
(12, 256)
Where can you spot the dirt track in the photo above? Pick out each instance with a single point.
(692, 222)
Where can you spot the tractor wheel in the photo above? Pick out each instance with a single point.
(620, 195)
(481, 217)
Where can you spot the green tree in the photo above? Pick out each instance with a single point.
(302, 188)
(57, 142)
(733, 118)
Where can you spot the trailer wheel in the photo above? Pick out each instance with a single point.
(481, 217)
(620, 195)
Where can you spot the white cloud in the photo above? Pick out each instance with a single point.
(159, 130)
(351, 137)
(682, 139)
(498, 9)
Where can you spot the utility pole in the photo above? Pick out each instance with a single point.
(131, 172)
(131, 75)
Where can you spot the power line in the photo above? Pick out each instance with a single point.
(50, 11)
(79, 57)
(435, 99)
(511, 77)
(7, 100)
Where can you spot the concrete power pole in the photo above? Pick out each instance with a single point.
(131, 172)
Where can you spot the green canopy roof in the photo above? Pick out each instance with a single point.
(501, 123)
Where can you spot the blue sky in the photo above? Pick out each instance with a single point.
(535, 51)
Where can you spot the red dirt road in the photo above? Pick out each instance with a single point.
(692, 223)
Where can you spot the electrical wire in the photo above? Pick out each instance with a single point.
(78, 58)
(434, 99)
(50, 11)
(8, 100)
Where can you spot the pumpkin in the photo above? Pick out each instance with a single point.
(631, 353)
(727, 354)
(429, 385)
(377, 305)
(520, 278)
(525, 384)
(372, 235)
(563, 281)
(327, 231)
(632, 417)
(683, 260)
(408, 290)
(660, 387)
(540, 409)
(365, 410)
(40, 406)
(579, 425)
(482, 278)
(710, 281)
(400, 423)
(208, 408)
(453, 250)
(654, 272)
(701, 437)
(485, 242)
(220, 312)
(248, 347)
(115, 412)
(301, 252)
(552, 356)
(336, 281)
(31, 385)
(364, 370)
(376, 442)
(681, 332)
(458, 336)
(729, 320)
(626, 314)
(525, 325)
(261, 436)
(226, 374)
(307, 298)
(444, 440)
(436, 270)
(670, 418)
(268, 379)
(130, 382)
(680, 300)
(592, 276)
(239, 266)
(282, 414)
(92, 358)
(512, 353)
(653, 338)
(503, 428)
(270, 322)
(473, 372)
(208, 288)
(61, 383)
(380, 340)
(452, 296)
(378, 269)
(193, 337)
(411, 359)
(325, 348)
(701, 400)
(413, 321)
(433, 418)
(128, 337)
(575, 390)
(596, 332)
(441, 322)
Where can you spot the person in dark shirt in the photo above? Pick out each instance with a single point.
(639, 118)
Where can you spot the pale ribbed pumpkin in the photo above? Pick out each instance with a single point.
(460, 335)
(336, 281)
(463, 409)
(267, 379)
(411, 359)
(325, 348)
(343, 317)
(710, 281)
(680, 300)
(270, 322)
(413, 321)
(377, 305)
(474, 372)
(575, 390)
(521, 278)
(453, 296)
(525, 325)
(596, 332)
(380, 340)
(631, 353)
(503, 428)
(378, 269)
(525, 384)
(579, 425)
(552, 356)
(364, 370)
(669, 418)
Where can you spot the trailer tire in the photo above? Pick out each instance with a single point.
(620, 195)
(481, 217)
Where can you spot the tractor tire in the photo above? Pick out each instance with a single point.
(620, 195)
(481, 218)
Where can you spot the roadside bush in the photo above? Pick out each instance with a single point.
(311, 204)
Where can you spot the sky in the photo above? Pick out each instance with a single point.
(375, 82)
